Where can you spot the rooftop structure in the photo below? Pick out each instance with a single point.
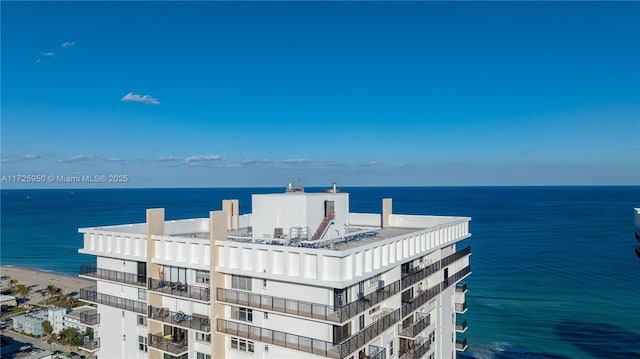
(300, 276)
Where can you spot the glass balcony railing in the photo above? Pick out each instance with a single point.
(168, 344)
(461, 288)
(461, 344)
(90, 345)
(91, 318)
(179, 289)
(461, 307)
(112, 275)
(461, 327)
(91, 295)
(198, 322)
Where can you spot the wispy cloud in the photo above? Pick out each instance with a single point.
(192, 160)
(29, 156)
(370, 164)
(131, 97)
(111, 159)
(44, 55)
(5, 159)
(75, 159)
(68, 44)
(298, 161)
(47, 54)
(253, 162)
(168, 158)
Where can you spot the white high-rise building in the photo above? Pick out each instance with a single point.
(300, 277)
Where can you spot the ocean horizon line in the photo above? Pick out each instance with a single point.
(339, 187)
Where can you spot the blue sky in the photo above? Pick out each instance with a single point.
(212, 94)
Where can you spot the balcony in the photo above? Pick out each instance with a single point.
(168, 344)
(90, 345)
(112, 275)
(461, 288)
(461, 327)
(90, 318)
(419, 300)
(91, 295)
(198, 322)
(278, 304)
(456, 277)
(415, 349)
(461, 344)
(376, 353)
(455, 256)
(275, 337)
(415, 276)
(412, 330)
(367, 334)
(179, 289)
(461, 308)
(307, 309)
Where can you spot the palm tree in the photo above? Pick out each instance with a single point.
(13, 282)
(23, 291)
(51, 291)
(52, 339)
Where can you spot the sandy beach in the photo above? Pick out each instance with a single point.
(39, 280)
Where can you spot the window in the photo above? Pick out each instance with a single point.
(202, 356)
(391, 348)
(142, 343)
(174, 274)
(202, 337)
(202, 277)
(244, 314)
(142, 321)
(361, 321)
(242, 345)
(375, 280)
(341, 332)
(142, 294)
(240, 282)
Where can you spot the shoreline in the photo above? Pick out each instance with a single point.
(39, 279)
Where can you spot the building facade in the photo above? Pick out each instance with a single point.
(299, 277)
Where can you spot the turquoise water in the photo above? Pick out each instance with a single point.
(554, 273)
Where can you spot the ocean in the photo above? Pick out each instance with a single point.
(554, 274)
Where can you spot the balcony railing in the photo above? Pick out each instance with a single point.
(416, 276)
(367, 334)
(461, 327)
(358, 306)
(419, 274)
(91, 318)
(455, 256)
(198, 322)
(377, 352)
(112, 275)
(461, 307)
(416, 353)
(461, 344)
(307, 309)
(456, 277)
(168, 344)
(418, 301)
(275, 337)
(461, 288)
(413, 329)
(90, 345)
(179, 289)
(91, 295)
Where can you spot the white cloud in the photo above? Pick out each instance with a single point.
(29, 156)
(298, 161)
(78, 158)
(131, 97)
(168, 158)
(202, 158)
(370, 164)
(67, 44)
(4, 159)
(47, 54)
(111, 159)
(252, 162)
